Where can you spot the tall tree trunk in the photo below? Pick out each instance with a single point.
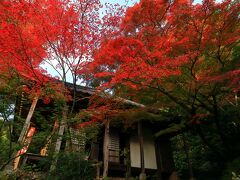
(106, 149)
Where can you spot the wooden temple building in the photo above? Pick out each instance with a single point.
(116, 152)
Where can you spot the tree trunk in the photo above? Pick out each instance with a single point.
(106, 149)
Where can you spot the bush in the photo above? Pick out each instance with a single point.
(73, 166)
(232, 170)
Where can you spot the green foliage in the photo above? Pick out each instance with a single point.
(73, 166)
(22, 175)
(8, 176)
(43, 119)
(232, 170)
(204, 161)
(173, 128)
(141, 114)
(4, 144)
(90, 130)
(235, 176)
(83, 116)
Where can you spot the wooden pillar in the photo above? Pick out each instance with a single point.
(60, 136)
(142, 175)
(127, 157)
(165, 158)
(25, 130)
(106, 149)
(28, 119)
(159, 160)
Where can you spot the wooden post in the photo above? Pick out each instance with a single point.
(106, 149)
(60, 135)
(25, 129)
(44, 150)
(28, 119)
(142, 175)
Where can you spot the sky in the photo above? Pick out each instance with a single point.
(131, 2)
(121, 2)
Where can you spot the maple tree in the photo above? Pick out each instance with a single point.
(175, 45)
(20, 45)
(161, 50)
(179, 52)
(62, 34)
(33, 31)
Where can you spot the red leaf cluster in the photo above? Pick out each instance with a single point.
(161, 39)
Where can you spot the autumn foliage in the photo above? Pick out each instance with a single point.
(169, 46)
(163, 39)
(59, 33)
(174, 56)
(181, 58)
(21, 45)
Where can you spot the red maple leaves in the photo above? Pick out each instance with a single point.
(161, 39)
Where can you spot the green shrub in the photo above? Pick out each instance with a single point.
(73, 166)
(232, 170)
